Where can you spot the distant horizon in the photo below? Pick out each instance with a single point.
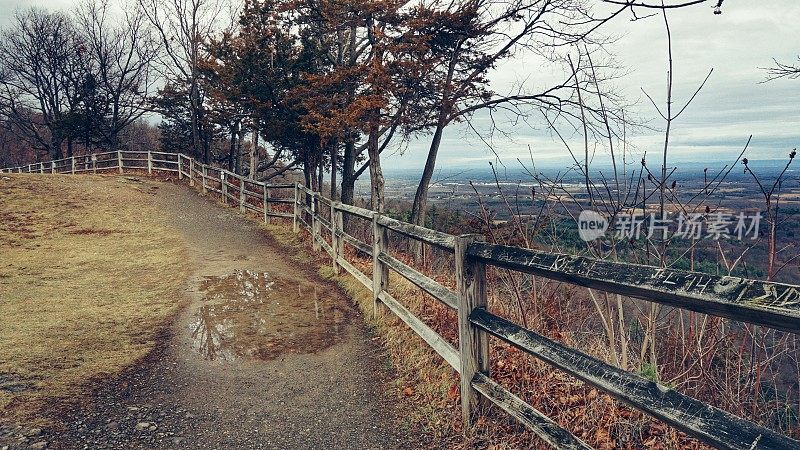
(515, 167)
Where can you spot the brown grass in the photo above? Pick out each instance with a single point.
(89, 274)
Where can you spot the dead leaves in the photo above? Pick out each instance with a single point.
(454, 393)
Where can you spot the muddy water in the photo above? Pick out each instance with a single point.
(257, 315)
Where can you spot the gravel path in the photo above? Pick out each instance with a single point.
(224, 377)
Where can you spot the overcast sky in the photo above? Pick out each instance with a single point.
(715, 127)
(733, 105)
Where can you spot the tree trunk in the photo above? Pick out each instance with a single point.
(254, 153)
(349, 162)
(87, 133)
(307, 173)
(348, 171)
(420, 208)
(239, 135)
(320, 174)
(334, 164)
(206, 152)
(377, 201)
(232, 150)
(55, 146)
(194, 100)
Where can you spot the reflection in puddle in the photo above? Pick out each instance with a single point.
(256, 315)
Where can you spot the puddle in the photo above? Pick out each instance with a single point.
(255, 315)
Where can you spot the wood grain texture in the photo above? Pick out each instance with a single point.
(357, 274)
(774, 305)
(428, 285)
(473, 343)
(433, 237)
(355, 243)
(355, 210)
(380, 271)
(704, 422)
(434, 340)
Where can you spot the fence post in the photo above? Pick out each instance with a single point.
(191, 169)
(380, 271)
(119, 160)
(314, 223)
(473, 344)
(204, 175)
(241, 195)
(180, 167)
(52, 167)
(295, 225)
(267, 206)
(224, 187)
(41, 167)
(73, 165)
(149, 162)
(94, 163)
(336, 239)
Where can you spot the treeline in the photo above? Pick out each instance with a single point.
(322, 86)
(74, 81)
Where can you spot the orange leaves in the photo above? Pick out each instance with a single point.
(454, 392)
(603, 439)
(570, 400)
(408, 391)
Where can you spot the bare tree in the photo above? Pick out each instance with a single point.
(38, 90)
(479, 35)
(783, 70)
(122, 54)
(182, 26)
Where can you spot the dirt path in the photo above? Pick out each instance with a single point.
(267, 355)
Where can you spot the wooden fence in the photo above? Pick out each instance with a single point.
(773, 305)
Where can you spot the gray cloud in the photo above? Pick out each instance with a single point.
(732, 106)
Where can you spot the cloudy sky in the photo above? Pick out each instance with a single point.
(733, 105)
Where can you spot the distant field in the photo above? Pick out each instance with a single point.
(89, 273)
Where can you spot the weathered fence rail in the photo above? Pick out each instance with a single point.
(768, 304)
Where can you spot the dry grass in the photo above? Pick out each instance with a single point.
(90, 273)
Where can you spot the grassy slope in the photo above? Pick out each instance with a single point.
(89, 273)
